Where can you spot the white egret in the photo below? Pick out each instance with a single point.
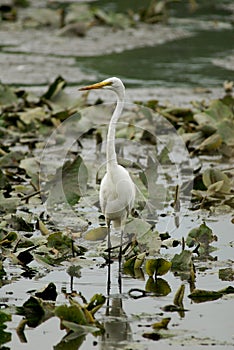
(117, 190)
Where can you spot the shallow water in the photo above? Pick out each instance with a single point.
(194, 329)
(187, 62)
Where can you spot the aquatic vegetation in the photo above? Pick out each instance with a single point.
(47, 226)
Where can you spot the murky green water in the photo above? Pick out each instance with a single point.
(186, 62)
(182, 63)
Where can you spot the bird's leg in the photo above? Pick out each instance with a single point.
(120, 261)
(109, 259)
(109, 277)
(108, 236)
(120, 247)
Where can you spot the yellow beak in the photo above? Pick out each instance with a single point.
(96, 86)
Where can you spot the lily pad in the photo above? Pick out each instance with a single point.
(96, 234)
(48, 293)
(159, 267)
(33, 311)
(226, 274)
(213, 176)
(182, 261)
(72, 313)
(5, 337)
(200, 296)
(7, 95)
(161, 324)
(69, 183)
(202, 235)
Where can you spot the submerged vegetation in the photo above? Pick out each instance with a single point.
(48, 200)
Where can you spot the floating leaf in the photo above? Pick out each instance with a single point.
(150, 267)
(199, 295)
(11, 159)
(72, 313)
(152, 336)
(212, 176)
(48, 293)
(182, 261)
(59, 241)
(211, 143)
(140, 258)
(226, 274)
(159, 267)
(134, 262)
(95, 303)
(202, 235)
(162, 324)
(179, 295)
(32, 115)
(69, 183)
(54, 89)
(96, 234)
(7, 95)
(33, 311)
(9, 238)
(5, 337)
(20, 224)
(42, 227)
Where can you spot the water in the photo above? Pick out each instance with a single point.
(187, 62)
(182, 63)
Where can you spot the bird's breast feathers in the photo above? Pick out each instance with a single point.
(117, 193)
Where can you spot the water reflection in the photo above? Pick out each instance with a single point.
(116, 324)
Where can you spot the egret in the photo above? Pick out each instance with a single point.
(117, 190)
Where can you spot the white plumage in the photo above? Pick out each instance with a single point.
(117, 190)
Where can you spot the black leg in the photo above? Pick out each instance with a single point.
(108, 276)
(108, 236)
(109, 259)
(120, 262)
(120, 247)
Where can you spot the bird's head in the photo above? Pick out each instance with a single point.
(114, 84)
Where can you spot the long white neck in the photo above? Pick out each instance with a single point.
(110, 148)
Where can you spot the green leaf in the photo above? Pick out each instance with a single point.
(96, 234)
(200, 235)
(72, 313)
(33, 311)
(182, 261)
(96, 303)
(69, 183)
(200, 295)
(179, 295)
(9, 238)
(55, 88)
(7, 95)
(158, 266)
(134, 262)
(5, 337)
(212, 176)
(59, 241)
(211, 143)
(161, 324)
(32, 115)
(226, 274)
